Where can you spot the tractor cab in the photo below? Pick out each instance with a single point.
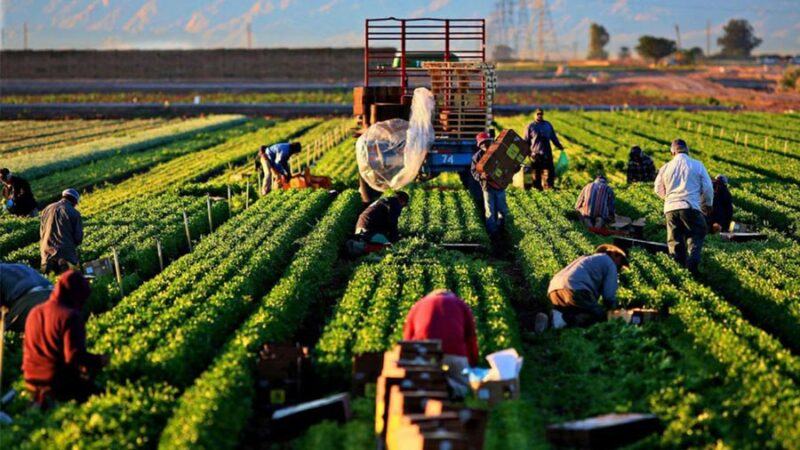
(447, 56)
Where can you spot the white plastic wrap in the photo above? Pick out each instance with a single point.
(390, 154)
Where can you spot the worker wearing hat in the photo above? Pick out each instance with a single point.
(17, 195)
(720, 215)
(576, 290)
(538, 135)
(495, 207)
(61, 233)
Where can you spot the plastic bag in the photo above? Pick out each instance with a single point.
(390, 154)
(562, 164)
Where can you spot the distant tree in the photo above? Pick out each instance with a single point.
(738, 39)
(690, 56)
(655, 48)
(624, 53)
(598, 38)
(503, 53)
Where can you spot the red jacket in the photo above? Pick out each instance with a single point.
(442, 315)
(55, 334)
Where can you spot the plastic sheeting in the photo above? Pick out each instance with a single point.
(390, 154)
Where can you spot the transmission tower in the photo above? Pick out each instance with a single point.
(540, 34)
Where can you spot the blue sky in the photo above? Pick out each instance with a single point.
(122, 24)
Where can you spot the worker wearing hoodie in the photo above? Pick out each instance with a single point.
(55, 362)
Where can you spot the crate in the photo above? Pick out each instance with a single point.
(503, 159)
(464, 95)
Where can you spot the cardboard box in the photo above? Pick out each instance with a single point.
(407, 379)
(503, 159)
(495, 392)
(98, 267)
(360, 100)
(468, 421)
(366, 370)
(634, 316)
(403, 402)
(607, 431)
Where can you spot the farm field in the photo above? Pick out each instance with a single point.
(722, 370)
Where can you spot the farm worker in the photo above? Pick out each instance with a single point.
(273, 161)
(494, 197)
(596, 203)
(441, 315)
(55, 362)
(21, 288)
(721, 213)
(61, 233)
(575, 291)
(686, 188)
(17, 195)
(378, 223)
(538, 136)
(640, 166)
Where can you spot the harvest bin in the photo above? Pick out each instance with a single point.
(503, 159)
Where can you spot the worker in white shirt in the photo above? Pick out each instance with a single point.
(686, 188)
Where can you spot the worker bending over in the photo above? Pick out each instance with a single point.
(686, 188)
(273, 161)
(575, 291)
(596, 203)
(378, 223)
(61, 232)
(720, 216)
(17, 195)
(640, 166)
(443, 316)
(494, 197)
(55, 362)
(21, 288)
(538, 136)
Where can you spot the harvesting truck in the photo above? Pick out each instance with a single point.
(447, 56)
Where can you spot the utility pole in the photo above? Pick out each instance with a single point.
(708, 38)
(678, 35)
(25, 36)
(249, 35)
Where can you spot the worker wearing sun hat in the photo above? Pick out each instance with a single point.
(61, 232)
(575, 291)
(494, 197)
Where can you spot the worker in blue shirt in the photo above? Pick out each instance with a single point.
(538, 135)
(273, 161)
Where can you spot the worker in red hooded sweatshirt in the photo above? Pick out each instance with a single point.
(55, 362)
(443, 316)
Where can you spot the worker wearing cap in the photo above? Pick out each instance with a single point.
(686, 188)
(273, 161)
(443, 316)
(576, 290)
(61, 232)
(494, 197)
(721, 214)
(17, 195)
(55, 362)
(538, 135)
(21, 288)
(640, 166)
(596, 203)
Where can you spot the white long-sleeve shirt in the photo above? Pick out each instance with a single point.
(684, 183)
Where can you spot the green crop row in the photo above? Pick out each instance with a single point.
(339, 163)
(213, 412)
(192, 167)
(38, 164)
(443, 216)
(48, 139)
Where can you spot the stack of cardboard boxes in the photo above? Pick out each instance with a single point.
(503, 159)
(412, 407)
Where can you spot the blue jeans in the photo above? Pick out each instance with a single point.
(495, 208)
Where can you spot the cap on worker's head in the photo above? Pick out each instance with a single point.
(636, 151)
(72, 289)
(482, 137)
(4, 173)
(402, 196)
(721, 178)
(611, 249)
(71, 193)
(679, 146)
